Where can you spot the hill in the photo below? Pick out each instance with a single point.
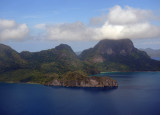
(46, 66)
(119, 55)
(10, 59)
(59, 59)
(152, 52)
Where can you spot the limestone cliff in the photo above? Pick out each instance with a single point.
(118, 55)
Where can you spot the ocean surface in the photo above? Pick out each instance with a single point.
(138, 94)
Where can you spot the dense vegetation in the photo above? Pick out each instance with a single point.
(119, 55)
(44, 66)
(80, 79)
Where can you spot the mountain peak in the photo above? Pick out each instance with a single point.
(108, 47)
(115, 46)
(9, 58)
(118, 55)
(63, 46)
(4, 47)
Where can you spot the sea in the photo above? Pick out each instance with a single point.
(138, 93)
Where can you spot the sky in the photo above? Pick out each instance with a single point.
(35, 25)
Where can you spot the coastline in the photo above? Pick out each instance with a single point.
(77, 86)
(57, 86)
(125, 71)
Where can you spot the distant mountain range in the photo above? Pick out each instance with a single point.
(44, 66)
(152, 52)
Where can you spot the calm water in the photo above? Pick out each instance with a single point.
(138, 94)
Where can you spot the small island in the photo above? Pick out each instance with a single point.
(79, 79)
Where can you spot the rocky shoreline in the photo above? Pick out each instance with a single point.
(93, 81)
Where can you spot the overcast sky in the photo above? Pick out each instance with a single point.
(35, 24)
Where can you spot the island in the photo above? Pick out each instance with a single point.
(60, 66)
(79, 79)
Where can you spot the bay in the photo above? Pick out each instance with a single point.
(138, 94)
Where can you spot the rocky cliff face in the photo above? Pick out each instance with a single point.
(108, 48)
(118, 55)
(114, 47)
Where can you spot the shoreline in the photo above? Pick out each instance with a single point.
(75, 86)
(109, 87)
(126, 71)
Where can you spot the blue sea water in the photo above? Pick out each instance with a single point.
(138, 94)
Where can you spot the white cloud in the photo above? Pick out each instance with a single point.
(40, 26)
(10, 30)
(128, 15)
(129, 23)
(73, 31)
(119, 23)
(138, 30)
(6, 23)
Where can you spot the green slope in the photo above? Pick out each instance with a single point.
(44, 66)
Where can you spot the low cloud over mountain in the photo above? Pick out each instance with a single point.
(118, 23)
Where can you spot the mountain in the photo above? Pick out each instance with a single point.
(60, 63)
(152, 52)
(118, 55)
(58, 66)
(59, 59)
(9, 59)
